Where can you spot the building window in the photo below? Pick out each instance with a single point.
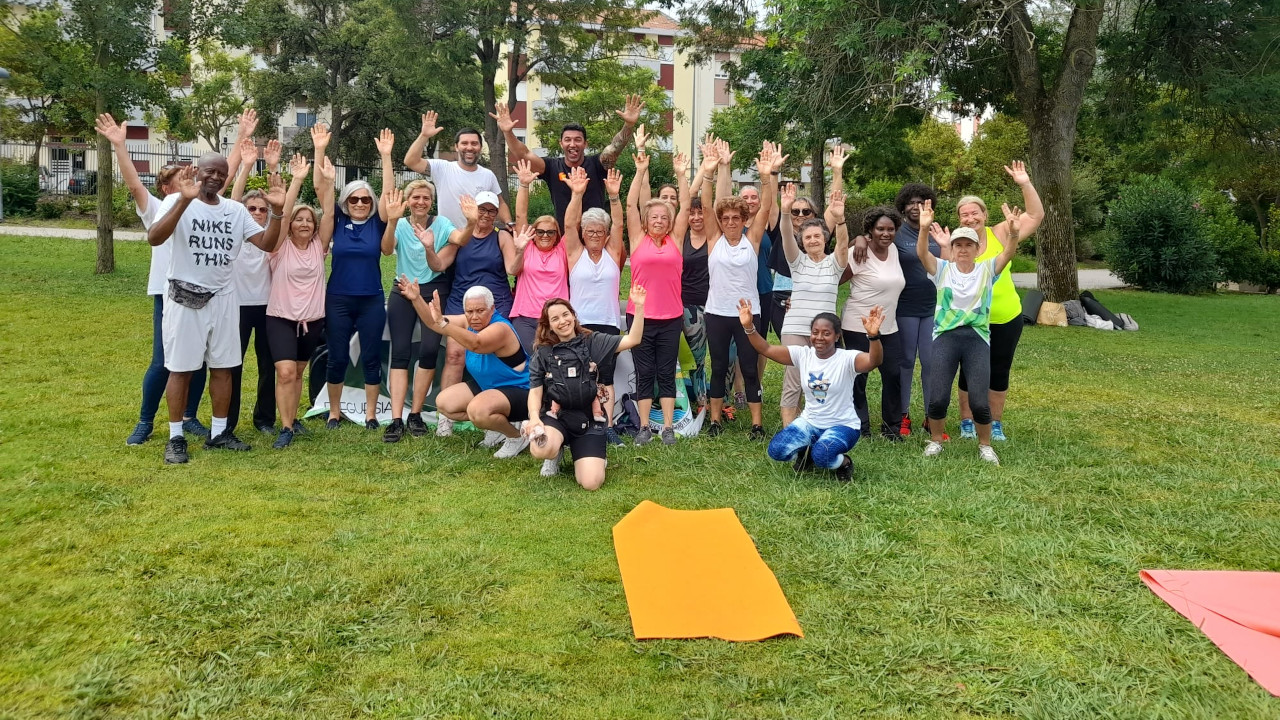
(306, 119)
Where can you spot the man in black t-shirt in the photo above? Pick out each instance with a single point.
(573, 146)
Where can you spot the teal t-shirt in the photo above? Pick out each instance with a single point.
(964, 298)
(411, 257)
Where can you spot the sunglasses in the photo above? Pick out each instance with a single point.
(801, 212)
(361, 200)
(545, 233)
(256, 209)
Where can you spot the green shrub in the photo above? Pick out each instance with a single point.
(881, 192)
(1241, 258)
(539, 201)
(51, 208)
(21, 187)
(1156, 239)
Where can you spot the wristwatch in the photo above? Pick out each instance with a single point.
(443, 322)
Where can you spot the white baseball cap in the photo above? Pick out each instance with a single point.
(964, 233)
(487, 198)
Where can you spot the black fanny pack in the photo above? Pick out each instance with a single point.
(189, 294)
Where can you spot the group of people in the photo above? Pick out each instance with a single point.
(533, 367)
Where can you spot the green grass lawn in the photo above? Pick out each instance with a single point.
(348, 578)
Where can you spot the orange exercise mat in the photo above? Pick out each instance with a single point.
(1238, 611)
(696, 573)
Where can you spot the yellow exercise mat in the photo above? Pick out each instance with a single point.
(696, 573)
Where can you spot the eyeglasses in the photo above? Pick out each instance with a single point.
(360, 200)
(544, 233)
(801, 212)
(256, 209)
(487, 210)
(595, 232)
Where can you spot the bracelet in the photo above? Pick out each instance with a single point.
(524, 187)
(872, 338)
(274, 216)
(749, 331)
(776, 172)
(614, 198)
(841, 224)
(444, 322)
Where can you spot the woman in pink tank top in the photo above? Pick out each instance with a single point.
(541, 266)
(656, 234)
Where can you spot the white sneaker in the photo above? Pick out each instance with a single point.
(492, 438)
(933, 449)
(551, 468)
(444, 426)
(986, 453)
(511, 447)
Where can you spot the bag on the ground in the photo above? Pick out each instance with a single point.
(1075, 313)
(189, 294)
(1129, 322)
(569, 375)
(1093, 307)
(1097, 323)
(1031, 303)
(1052, 313)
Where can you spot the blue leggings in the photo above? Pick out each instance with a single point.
(827, 445)
(347, 315)
(156, 377)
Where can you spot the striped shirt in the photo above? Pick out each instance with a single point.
(814, 286)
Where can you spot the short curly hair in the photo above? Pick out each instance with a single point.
(874, 214)
(910, 190)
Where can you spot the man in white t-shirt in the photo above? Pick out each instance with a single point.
(201, 323)
(463, 176)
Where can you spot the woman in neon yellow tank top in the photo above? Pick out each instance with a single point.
(1006, 307)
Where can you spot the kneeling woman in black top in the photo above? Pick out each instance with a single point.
(563, 370)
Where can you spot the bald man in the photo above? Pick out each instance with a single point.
(201, 322)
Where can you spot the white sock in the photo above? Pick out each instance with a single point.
(175, 429)
(219, 425)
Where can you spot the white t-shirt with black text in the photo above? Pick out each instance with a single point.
(207, 241)
(828, 386)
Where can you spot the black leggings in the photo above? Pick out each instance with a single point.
(401, 317)
(656, 356)
(963, 348)
(253, 319)
(720, 332)
(1004, 343)
(890, 381)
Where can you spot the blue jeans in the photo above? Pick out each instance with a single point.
(827, 446)
(156, 377)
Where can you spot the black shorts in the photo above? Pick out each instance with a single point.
(583, 436)
(288, 342)
(607, 367)
(517, 397)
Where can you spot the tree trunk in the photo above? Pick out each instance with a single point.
(488, 54)
(106, 219)
(818, 177)
(1050, 168)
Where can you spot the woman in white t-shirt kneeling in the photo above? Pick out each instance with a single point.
(828, 428)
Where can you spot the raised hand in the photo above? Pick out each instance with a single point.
(328, 171)
(724, 153)
(408, 288)
(275, 191)
(710, 154)
(638, 295)
(613, 182)
(1013, 215)
(385, 141)
(248, 123)
(745, 316)
(320, 136)
(525, 173)
(642, 162)
(680, 163)
(425, 236)
(788, 197)
(642, 139)
(298, 167)
(395, 202)
(469, 209)
(107, 128)
(1018, 171)
(577, 180)
(926, 213)
(871, 323)
(523, 237)
(434, 316)
(186, 180)
(837, 157)
(778, 157)
(248, 153)
(764, 161)
(429, 127)
(272, 154)
(503, 118)
(630, 113)
(940, 234)
(835, 201)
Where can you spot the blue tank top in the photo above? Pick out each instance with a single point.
(489, 371)
(480, 262)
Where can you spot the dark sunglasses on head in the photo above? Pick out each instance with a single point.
(801, 212)
(360, 200)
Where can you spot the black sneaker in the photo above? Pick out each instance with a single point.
(193, 426)
(299, 428)
(415, 425)
(227, 441)
(333, 423)
(612, 437)
(371, 424)
(283, 439)
(141, 433)
(804, 461)
(175, 451)
(394, 432)
(844, 473)
(265, 429)
(757, 433)
(714, 429)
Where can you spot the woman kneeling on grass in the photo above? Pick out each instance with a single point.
(564, 388)
(962, 324)
(295, 304)
(828, 427)
(496, 396)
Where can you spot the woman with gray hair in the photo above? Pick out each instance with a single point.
(596, 255)
(354, 302)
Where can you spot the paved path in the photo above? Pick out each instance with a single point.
(74, 233)
(1090, 279)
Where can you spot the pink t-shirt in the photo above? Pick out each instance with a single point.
(658, 269)
(297, 281)
(545, 275)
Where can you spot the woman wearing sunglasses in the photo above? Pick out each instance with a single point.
(541, 267)
(354, 302)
